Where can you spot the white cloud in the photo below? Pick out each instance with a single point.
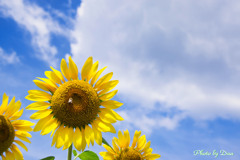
(38, 22)
(7, 58)
(178, 54)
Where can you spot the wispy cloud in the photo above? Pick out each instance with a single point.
(7, 58)
(38, 22)
(171, 54)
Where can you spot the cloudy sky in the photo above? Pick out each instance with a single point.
(177, 62)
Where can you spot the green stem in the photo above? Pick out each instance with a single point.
(70, 153)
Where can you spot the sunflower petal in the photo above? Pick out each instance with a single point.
(58, 73)
(16, 115)
(17, 153)
(104, 79)
(93, 70)
(44, 86)
(95, 77)
(38, 106)
(111, 104)
(3, 106)
(73, 69)
(86, 69)
(20, 143)
(53, 77)
(77, 139)
(64, 69)
(135, 138)
(41, 114)
(108, 96)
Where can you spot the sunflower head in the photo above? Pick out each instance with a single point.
(7, 133)
(11, 128)
(75, 109)
(121, 150)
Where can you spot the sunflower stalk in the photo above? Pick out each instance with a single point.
(70, 153)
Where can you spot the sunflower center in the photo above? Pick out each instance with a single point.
(130, 154)
(7, 134)
(75, 103)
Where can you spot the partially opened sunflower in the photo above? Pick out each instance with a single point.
(75, 110)
(12, 129)
(139, 150)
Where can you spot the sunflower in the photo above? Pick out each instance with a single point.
(75, 110)
(12, 128)
(140, 149)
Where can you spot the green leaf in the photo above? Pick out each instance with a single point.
(48, 158)
(74, 152)
(105, 142)
(88, 155)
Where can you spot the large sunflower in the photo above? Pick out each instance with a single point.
(12, 128)
(76, 110)
(140, 149)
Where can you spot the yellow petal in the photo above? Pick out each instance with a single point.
(126, 139)
(141, 142)
(120, 139)
(16, 115)
(38, 106)
(89, 135)
(41, 123)
(37, 98)
(86, 69)
(17, 153)
(83, 139)
(21, 144)
(9, 155)
(106, 116)
(111, 104)
(105, 127)
(97, 135)
(3, 157)
(68, 137)
(109, 149)
(95, 77)
(10, 106)
(147, 146)
(93, 70)
(20, 123)
(41, 114)
(106, 87)
(53, 77)
(39, 93)
(64, 69)
(49, 82)
(58, 74)
(109, 114)
(23, 134)
(13, 109)
(104, 79)
(108, 96)
(55, 137)
(23, 138)
(3, 106)
(73, 69)
(77, 139)
(115, 147)
(153, 156)
(49, 126)
(106, 155)
(60, 138)
(44, 86)
(135, 138)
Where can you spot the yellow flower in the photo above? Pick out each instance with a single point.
(75, 111)
(11, 127)
(139, 150)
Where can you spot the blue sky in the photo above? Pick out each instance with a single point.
(177, 62)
